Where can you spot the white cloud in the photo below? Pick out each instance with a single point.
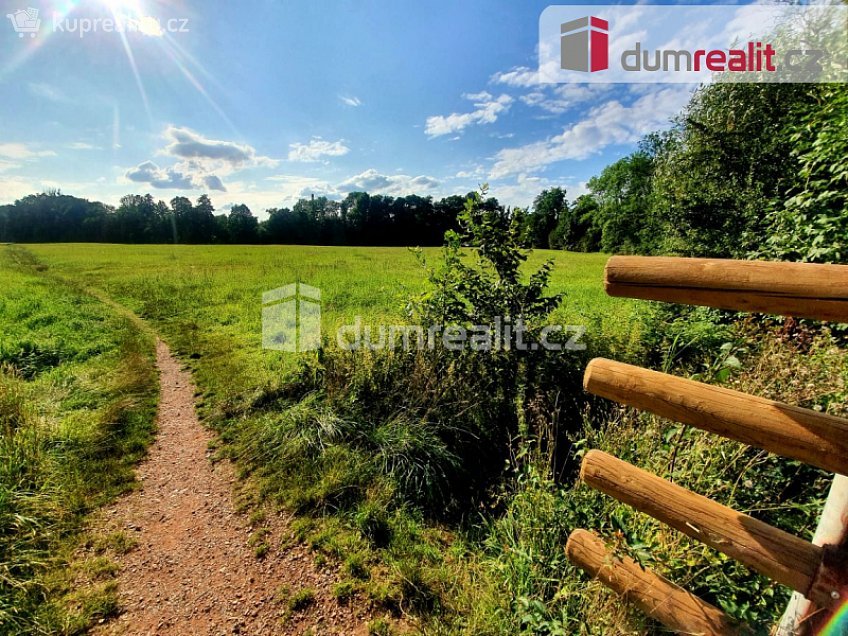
(476, 173)
(350, 100)
(398, 184)
(562, 97)
(286, 189)
(520, 76)
(524, 188)
(173, 178)
(606, 124)
(294, 187)
(81, 145)
(203, 162)
(17, 187)
(487, 108)
(22, 151)
(13, 188)
(185, 143)
(317, 148)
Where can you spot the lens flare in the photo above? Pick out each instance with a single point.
(837, 625)
(123, 12)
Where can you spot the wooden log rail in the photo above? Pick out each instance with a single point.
(656, 596)
(804, 290)
(817, 570)
(814, 438)
(770, 551)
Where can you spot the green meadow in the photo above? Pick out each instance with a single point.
(207, 300)
(376, 454)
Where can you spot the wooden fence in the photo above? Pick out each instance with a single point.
(817, 571)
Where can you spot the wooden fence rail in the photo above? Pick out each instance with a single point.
(814, 438)
(817, 570)
(804, 290)
(764, 548)
(656, 596)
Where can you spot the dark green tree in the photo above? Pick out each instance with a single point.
(623, 195)
(548, 208)
(242, 226)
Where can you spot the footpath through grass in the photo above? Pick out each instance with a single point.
(78, 393)
(339, 440)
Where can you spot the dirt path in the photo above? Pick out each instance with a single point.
(193, 571)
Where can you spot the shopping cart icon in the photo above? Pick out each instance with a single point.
(25, 21)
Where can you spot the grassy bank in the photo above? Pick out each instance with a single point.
(77, 400)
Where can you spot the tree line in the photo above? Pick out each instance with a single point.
(358, 219)
(746, 170)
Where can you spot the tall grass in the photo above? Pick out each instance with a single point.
(521, 582)
(77, 399)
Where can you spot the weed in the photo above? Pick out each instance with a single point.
(380, 627)
(74, 417)
(343, 591)
(261, 550)
(301, 599)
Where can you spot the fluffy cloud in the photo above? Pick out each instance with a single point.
(350, 100)
(172, 178)
(184, 143)
(609, 123)
(553, 98)
(22, 151)
(487, 109)
(397, 184)
(523, 189)
(562, 97)
(519, 76)
(477, 173)
(202, 162)
(317, 148)
(294, 187)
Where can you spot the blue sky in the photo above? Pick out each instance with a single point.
(263, 102)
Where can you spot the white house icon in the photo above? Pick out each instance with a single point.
(25, 21)
(291, 318)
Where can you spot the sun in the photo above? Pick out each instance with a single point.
(132, 10)
(123, 7)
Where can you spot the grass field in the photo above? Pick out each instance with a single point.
(77, 399)
(207, 299)
(206, 302)
(500, 568)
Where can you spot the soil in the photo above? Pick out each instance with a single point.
(193, 570)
